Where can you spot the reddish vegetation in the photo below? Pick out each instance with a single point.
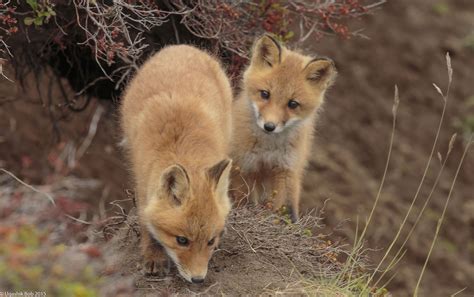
(118, 36)
(7, 19)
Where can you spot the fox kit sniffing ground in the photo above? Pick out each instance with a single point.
(273, 120)
(176, 121)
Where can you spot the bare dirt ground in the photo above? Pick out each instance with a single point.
(408, 41)
(47, 247)
(246, 263)
(43, 151)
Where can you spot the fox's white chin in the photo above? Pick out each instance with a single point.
(279, 127)
(184, 274)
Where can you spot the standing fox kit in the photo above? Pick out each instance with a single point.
(177, 125)
(273, 121)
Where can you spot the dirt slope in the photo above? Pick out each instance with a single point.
(408, 41)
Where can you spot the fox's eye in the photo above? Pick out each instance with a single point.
(211, 242)
(182, 240)
(292, 104)
(265, 94)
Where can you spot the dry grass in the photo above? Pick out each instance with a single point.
(261, 253)
(350, 280)
(368, 284)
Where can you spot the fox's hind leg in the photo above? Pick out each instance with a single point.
(155, 259)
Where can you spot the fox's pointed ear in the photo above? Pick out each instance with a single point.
(220, 172)
(266, 52)
(321, 72)
(174, 182)
(219, 175)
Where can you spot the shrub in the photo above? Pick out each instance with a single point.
(98, 44)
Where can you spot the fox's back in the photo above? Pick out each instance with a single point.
(176, 110)
(178, 79)
(182, 77)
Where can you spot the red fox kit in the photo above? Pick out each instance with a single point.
(177, 126)
(273, 121)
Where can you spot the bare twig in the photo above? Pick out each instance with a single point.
(28, 186)
(90, 135)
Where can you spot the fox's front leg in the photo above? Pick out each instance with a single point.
(293, 189)
(155, 260)
(278, 192)
(286, 192)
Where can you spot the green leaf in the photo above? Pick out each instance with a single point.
(289, 35)
(38, 21)
(28, 21)
(33, 4)
(51, 11)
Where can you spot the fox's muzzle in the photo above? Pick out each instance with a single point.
(195, 269)
(192, 278)
(195, 280)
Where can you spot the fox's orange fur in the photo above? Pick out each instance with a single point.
(176, 119)
(270, 164)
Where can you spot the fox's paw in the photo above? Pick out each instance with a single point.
(158, 268)
(289, 212)
(294, 216)
(156, 263)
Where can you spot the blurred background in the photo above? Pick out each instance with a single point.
(64, 66)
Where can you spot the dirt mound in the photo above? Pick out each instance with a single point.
(44, 230)
(261, 253)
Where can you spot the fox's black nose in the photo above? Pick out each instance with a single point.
(269, 126)
(197, 280)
